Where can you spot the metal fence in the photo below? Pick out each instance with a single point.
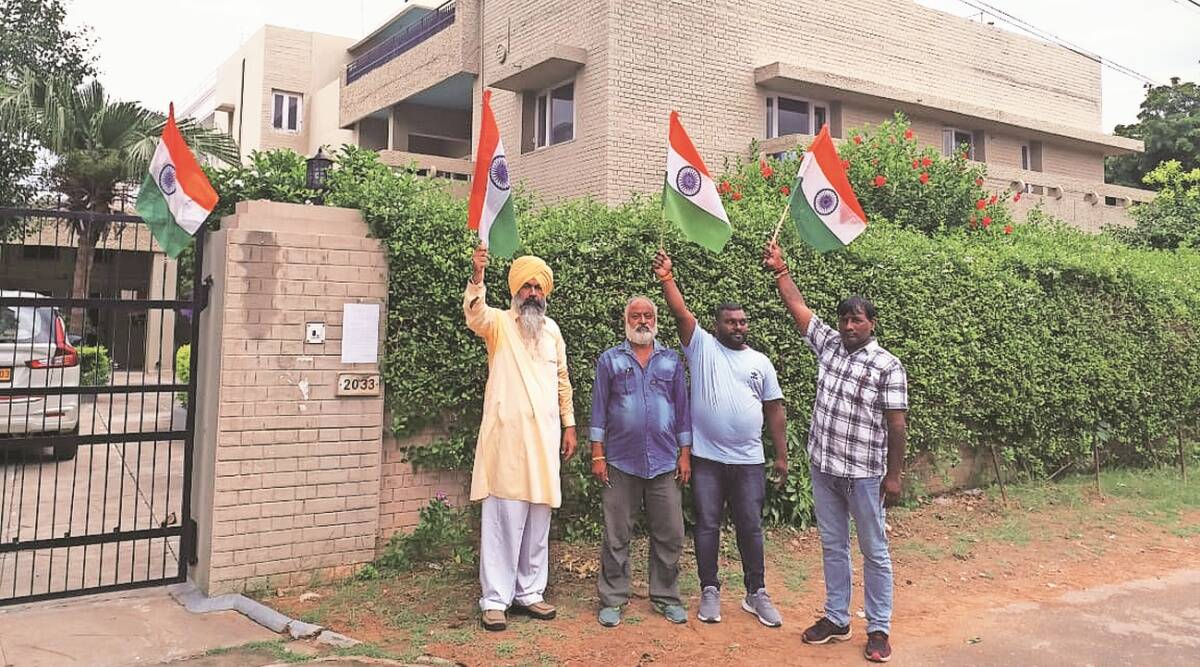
(96, 423)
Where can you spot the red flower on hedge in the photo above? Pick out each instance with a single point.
(785, 190)
(966, 156)
(924, 177)
(987, 220)
(1008, 229)
(925, 162)
(981, 204)
(1017, 197)
(765, 169)
(724, 187)
(858, 139)
(846, 164)
(916, 163)
(880, 181)
(908, 134)
(736, 195)
(993, 200)
(979, 182)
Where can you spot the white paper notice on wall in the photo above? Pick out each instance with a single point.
(360, 333)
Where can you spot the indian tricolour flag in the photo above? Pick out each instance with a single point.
(690, 197)
(176, 196)
(491, 209)
(823, 205)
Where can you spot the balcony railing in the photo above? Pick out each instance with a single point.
(382, 53)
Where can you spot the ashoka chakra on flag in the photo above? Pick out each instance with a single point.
(498, 172)
(826, 201)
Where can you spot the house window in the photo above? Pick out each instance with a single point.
(286, 109)
(555, 115)
(953, 139)
(790, 115)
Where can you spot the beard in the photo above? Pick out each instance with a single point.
(531, 317)
(642, 334)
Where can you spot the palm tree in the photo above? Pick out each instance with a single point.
(100, 144)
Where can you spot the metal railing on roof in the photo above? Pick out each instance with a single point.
(382, 53)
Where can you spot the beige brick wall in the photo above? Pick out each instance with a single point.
(700, 58)
(577, 167)
(404, 491)
(288, 485)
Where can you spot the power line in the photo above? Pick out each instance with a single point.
(1043, 34)
(1194, 3)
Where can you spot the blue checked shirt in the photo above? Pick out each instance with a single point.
(641, 415)
(849, 437)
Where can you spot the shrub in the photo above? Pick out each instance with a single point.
(183, 371)
(95, 366)
(1172, 219)
(443, 535)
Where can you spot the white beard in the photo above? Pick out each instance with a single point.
(531, 319)
(641, 337)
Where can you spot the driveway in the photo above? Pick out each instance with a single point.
(106, 488)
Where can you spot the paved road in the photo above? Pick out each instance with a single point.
(1144, 622)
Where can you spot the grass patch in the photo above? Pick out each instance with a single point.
(506, 649)
(276, 649)
(920, 549)
(366, 651)
(1014, 530)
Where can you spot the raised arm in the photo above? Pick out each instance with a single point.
(684, 319)
(792, 298)
(479, 317)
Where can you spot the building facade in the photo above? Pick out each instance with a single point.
(582, 91)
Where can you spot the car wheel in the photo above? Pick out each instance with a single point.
(67, 452)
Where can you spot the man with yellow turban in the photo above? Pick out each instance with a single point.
(527, 411)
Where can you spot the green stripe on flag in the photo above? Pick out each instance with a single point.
(698, 225)
(503, 239)
(152, 206)
(810, 225)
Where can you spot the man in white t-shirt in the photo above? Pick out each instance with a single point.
(734, 390)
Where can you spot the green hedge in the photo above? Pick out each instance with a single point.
(95, 365)
(1037, 341)
(183, 371)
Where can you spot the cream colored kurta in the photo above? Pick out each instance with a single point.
(525, 405)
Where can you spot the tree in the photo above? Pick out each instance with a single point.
(99, 144)
(32, 38)
(1169, 124)
(1172, 219)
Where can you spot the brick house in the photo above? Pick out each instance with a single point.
(583, 90)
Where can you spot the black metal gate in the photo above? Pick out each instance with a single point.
(96, 421)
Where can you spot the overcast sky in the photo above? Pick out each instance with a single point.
(154, 55)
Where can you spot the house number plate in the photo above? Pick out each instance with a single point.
(356, 384)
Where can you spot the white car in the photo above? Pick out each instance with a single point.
(35, 352)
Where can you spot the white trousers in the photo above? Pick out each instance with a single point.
(514, 554)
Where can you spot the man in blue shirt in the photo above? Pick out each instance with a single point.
(734, 391)
(641, 437)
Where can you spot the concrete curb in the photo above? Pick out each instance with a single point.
(197, 602)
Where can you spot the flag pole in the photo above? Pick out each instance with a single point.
(779, 225)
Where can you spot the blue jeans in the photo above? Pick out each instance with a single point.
(836, 500)
(745, 488)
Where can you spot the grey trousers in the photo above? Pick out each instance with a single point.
(664, 520)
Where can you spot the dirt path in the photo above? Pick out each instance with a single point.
(957, 561)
